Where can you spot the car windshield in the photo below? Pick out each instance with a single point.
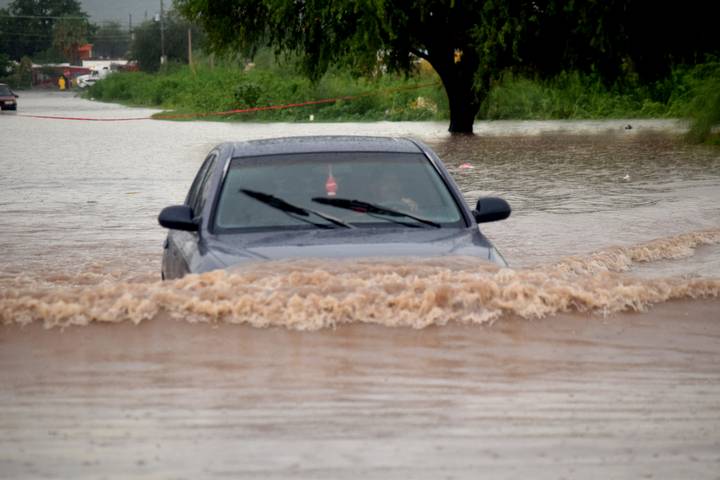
(5, 91)
(334, 190)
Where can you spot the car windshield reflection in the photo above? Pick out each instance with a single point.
(401, 190)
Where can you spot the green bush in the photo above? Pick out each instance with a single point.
(688, 93)
(699, 100)
(248, 93)
(570, 95)
(229, 87)
(17, 76)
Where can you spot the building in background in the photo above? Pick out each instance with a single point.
(85, 52)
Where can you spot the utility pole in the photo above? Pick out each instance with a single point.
(163, 59)
(190, 62)
(130, 30)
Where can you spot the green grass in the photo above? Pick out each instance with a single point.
(226, 88)
(689, 92)
(702, 103)
(692, 93)
(567, 96)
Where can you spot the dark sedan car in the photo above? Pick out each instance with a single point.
(341, 197)
(7, 98)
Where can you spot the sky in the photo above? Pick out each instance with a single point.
(117, 10)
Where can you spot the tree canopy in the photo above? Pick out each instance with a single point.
(68, 34)
(145, 48)
(469, 43)
(27, 27)
(110, 40)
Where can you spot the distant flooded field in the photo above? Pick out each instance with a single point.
(597, 354)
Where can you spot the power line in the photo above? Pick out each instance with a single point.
(24, 34)
(45, 16)
(94, 37)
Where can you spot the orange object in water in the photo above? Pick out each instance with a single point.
(331, 184)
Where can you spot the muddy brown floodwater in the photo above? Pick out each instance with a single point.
(596, 355)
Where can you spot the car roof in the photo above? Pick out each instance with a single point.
(317, 144)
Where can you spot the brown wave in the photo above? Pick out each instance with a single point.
(621, 259)
(315, 294)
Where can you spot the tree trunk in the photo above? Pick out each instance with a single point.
(463, 108)
(458, 76)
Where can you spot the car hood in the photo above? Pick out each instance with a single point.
(227, 250)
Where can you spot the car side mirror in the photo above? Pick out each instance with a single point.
(178, 217)
(491, 209)
(16, 95)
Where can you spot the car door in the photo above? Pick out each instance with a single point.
(182, 247)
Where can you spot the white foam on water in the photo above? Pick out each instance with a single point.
(312, 294)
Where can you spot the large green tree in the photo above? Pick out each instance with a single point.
(358, 32)
(470, 43)
(145, 47)
(27, 26)
(69, 33)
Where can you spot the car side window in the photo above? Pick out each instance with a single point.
(198, 192)
(204, 188)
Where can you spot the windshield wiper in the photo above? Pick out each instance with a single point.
(373, 210)
(292, 210)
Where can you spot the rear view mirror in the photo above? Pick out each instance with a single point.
(491, 209)
(178, 217)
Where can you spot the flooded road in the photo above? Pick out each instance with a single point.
(526, 372)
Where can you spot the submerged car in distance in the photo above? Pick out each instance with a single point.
(323, 197)
(8, 98)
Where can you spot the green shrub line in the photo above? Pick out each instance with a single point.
(691, 92)
(230, 88)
